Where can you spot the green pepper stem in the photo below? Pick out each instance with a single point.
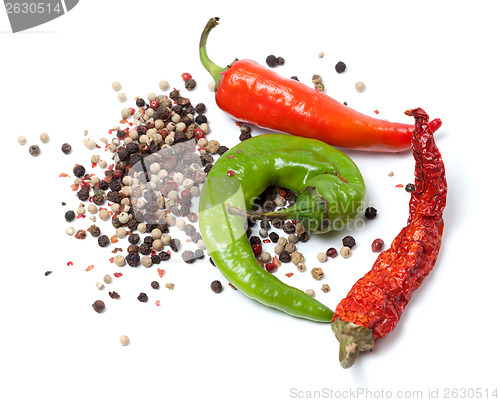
(209, 65)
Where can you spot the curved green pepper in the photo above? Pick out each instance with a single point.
(331, 192)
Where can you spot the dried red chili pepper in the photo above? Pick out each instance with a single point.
(375, 303)
(254, 94)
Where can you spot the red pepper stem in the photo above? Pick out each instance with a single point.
(353, 339)
(209, 65)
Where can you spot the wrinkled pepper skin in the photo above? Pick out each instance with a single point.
(377, 300)
(254, 94)
(242, 174)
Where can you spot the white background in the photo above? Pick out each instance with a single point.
(197, 345)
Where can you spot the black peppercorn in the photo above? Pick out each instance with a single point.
(200, 108)
(132, 249)
(69, 216)
(83, 194)
(349, 241)
(288, 227)
(145, 249)
(103, 185)
(340, 67)
(175, 244)
(79, 171)
(134, 238)
(98, 199)
(255, 240)
(155, 259)
(66, 148)
(273, 236)
(285, 256)
(34, 150)
(103, 240)
(245, 136)
(190, 84)
(199, 254)
(164, 256)
(188, 256)
(216, 286)
(280, 61)
(115, 185)
(140, 102)
(155, 285)
(200, 119)
(98, 306)
(94, 231)
(410, 187)
(143, 297)
(222, 150)
(271, 60)
(133, 259)
(370, 213)
(196, 237)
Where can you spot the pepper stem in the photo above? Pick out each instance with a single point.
(209, 65)
(353, 339)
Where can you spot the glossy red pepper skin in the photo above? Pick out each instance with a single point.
(373, 306)
(254, 94)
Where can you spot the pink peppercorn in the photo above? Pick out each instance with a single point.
(257, 249)
(377, 245)
(331, 252)
(270, 267)
(230, 173)
(154, 104)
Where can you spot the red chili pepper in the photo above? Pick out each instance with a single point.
(375, 303)
(252, 93)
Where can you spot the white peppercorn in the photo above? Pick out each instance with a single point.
(360, 86)
(282, 241)
(120, 260)
(301, 267)
(181, 224)
(310, 292)
(290, 247)
(151, 96)
(107, 279)
(104, 214)
(166, 239)
(146, 261)
(121, 232)
(211, 86)
(124, 340)
(195, 191)
(345, 251)
(124, 217)
(80, 210)
(22, 140)
(142, 228)
(44, 137)
(126, 113)
(279, 201)
(158, 245)
(201, 244)
(156, 233)
(265, 257)
(70, 231)
(322, 257)
(116, 86)
(278, 249)
(163, 84)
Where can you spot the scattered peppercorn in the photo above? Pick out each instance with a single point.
(143, 297)
(124, 340)
(66, 148)
(377, 245)
(47, 273)
(107, 279)
(370, 213)
(285, 256)
(322, 257)
(216, 286)
(271, 60)
(325, 288)
(114, 295)
(345, 251)
(103, 241)
(190, 84)
(274, 237)
(95, 231)
(81, 234)
(155, 285)
(331, 252)
(410, 187)
(340, 67)
(349, 241)
(188, 256)
(98, 306)
(317, 273)
(34, 150)
(280, 61)
(79, 171)
(69, 216)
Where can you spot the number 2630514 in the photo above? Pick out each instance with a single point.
(33, 8)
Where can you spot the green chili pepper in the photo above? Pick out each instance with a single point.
(330, 192)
